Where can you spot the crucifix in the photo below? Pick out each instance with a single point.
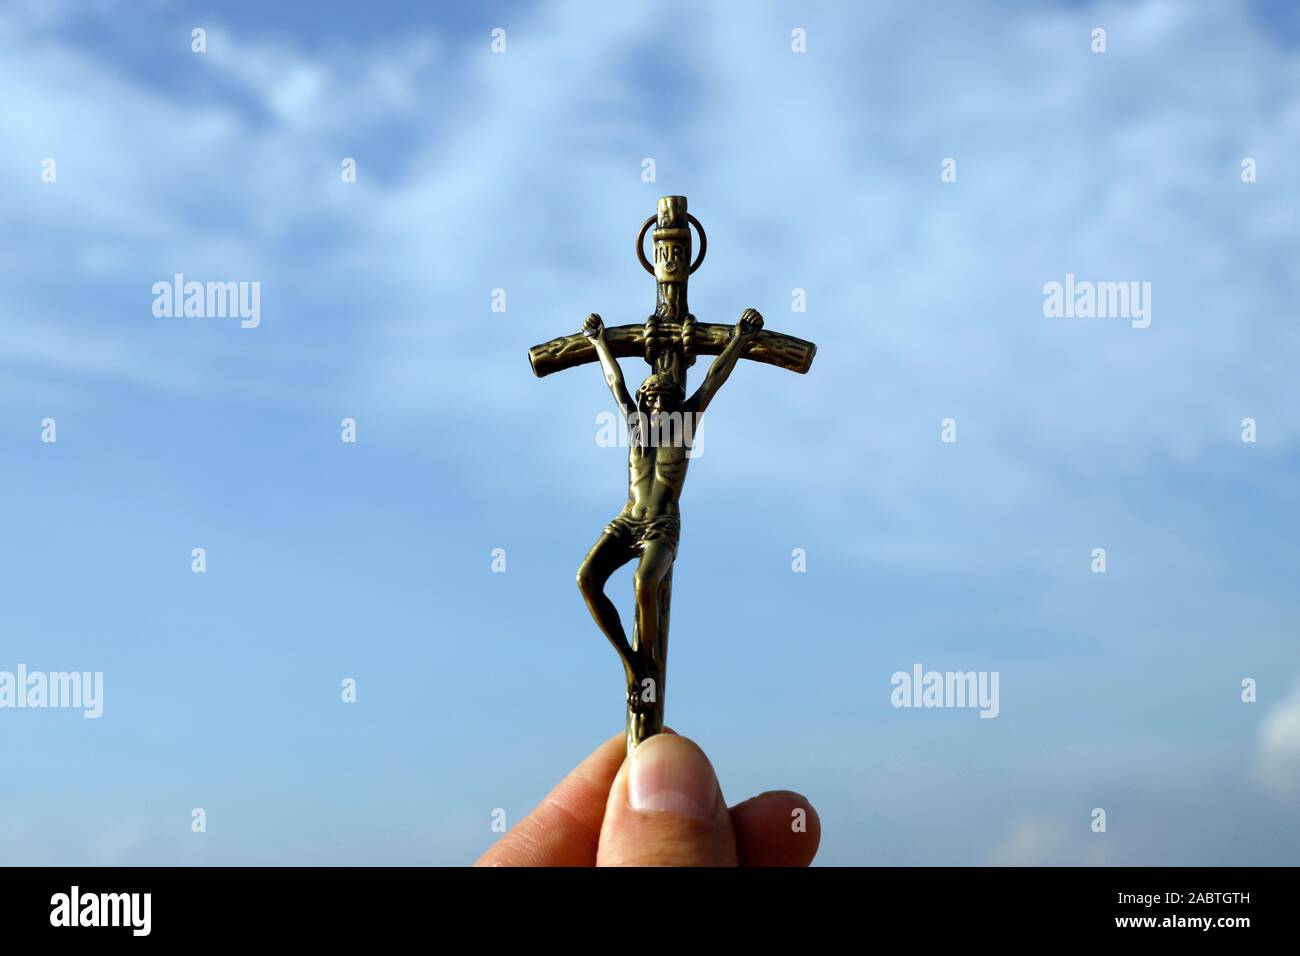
(661, 421)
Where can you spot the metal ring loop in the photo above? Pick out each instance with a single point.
(640, 243)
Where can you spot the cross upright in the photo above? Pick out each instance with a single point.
(648, 527)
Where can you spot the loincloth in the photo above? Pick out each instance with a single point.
(636, 533)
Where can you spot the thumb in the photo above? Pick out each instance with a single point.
(666, 809)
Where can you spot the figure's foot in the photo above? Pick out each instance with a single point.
(636, 702)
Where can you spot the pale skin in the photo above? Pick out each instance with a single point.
(586, 821)
(656, 474)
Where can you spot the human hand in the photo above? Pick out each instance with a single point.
(593, 327)
(661, 806)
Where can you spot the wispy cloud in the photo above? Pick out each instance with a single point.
(818, 171)
(1278, 751)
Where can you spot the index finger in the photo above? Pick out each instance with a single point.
(564, 829)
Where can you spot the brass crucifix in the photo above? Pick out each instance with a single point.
(661, 422)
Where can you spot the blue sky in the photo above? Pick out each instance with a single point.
(523, 171)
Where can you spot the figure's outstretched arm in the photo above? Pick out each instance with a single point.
(594, 329)
(749, 325)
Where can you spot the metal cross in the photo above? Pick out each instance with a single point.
(661, 422)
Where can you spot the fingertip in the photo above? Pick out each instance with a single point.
(666, 809)
(776, 828)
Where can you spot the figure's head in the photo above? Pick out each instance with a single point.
(660, 393)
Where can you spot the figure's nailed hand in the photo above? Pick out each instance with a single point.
(661, 806)
(750, 324)
(594, 327)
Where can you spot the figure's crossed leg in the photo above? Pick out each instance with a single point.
(610, 553)
(606, 556)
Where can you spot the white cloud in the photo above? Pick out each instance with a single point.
(1039, 841)
(1030, 842)
(153, 180)
(1277, 753)
(819, 170)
